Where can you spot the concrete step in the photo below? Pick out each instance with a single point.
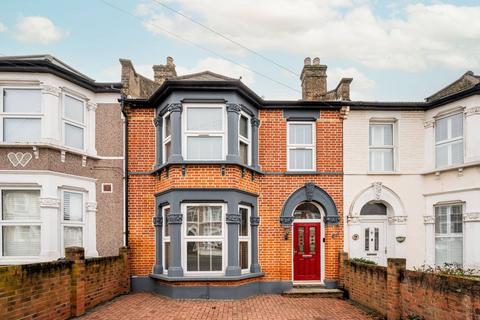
(309, 285)
(316, 292)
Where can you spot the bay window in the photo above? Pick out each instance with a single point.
(20, 223)
(74, 122)
(449, 234)
(244, 238)
(204, 132)
(73, 219)
(301, 146)
(449, 140)
(244, 138)
(204, 237)
(21, 115)
(381, 147)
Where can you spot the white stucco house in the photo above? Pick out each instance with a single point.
(412, 178)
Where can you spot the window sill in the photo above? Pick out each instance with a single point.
(207, 278)
(386, 173)
(48, 145)
(217, 162)
(458, 167)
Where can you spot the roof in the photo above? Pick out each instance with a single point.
(204, 76)
(49, 64)
(466, 81)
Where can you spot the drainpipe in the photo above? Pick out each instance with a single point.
(125, 175)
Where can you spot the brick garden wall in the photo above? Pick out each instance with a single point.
(62, 289)
(398, 293)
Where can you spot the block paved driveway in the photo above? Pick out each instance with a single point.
(150, 306)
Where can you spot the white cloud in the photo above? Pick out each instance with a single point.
(37, 29)
(419, 37)
(361, 87)
(222, 67)
(2, 27)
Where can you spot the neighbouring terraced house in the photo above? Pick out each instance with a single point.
(61, 161)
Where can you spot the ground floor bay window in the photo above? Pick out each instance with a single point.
(449, 235)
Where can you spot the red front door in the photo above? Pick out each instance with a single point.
(306, 251)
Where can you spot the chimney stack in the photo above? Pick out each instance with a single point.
(314, 80)
(164, 72)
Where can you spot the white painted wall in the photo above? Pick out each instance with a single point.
(416, 184)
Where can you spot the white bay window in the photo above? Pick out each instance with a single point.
(301, 146)
(74, 122)
(21, 115)
(204, 238)
(381, 147)
(449, 141)
(20, 223)
(204, 132)
(449, 235)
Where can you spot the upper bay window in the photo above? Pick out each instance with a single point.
(20, 223)
(301, 146)
(204, 132)
(245, 139)
(381, 147)
(449, 141)
(21, 115)
(74, 122)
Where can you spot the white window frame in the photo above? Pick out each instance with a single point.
(211, 133)
(449, 234)
(311, 146)
(11, 115)
(245, 140)
(14, 223)
(377, 147)
(165, 239)
(223, 238)
(164, 138)
(74, 123)
(449, 141)
(67, 223)
(246, 239)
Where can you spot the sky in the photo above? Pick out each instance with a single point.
(394, 50)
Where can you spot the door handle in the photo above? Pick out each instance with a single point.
(306, 256)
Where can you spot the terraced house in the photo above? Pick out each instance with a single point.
(230, 194)
(61, 161)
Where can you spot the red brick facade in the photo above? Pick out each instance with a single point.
(273, 187)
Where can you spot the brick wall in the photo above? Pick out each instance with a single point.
(62, 289)
(398, 293)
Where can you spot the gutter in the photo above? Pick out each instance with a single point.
(125, 174)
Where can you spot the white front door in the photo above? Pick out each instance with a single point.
(374, 241)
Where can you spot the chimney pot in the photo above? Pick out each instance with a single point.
(169, 61)
(316, 61)
(307, 61)
(164, 72)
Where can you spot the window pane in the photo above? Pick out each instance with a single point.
(72, 237)
(166, 225)
(167, 255)
(457, 152)
(441, 220)
(441, 129)
(312, 243)
(301, 159)
(168, 127)
(204, 119)
(456, 219)
(204, 148)
(449, 250)
(243, 231)
(367, 239)
(243, 259)
(73, 136)
(20, 204)
(300, 133)
(373, 208)
(377, 238)
(22, 101)
(204, 256)
(301, 240)
(244, 153)
(72, 206)
(168, 150)
(457, 125)
(441, 155)
(204, 221)
(307, 210)
(21, 129)
(381, 135)
(74, 109)
(381, 160)
(21, 240)
(243, 128)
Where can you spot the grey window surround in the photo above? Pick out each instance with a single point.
(233, 197)
(309, 192)
(233, 155)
